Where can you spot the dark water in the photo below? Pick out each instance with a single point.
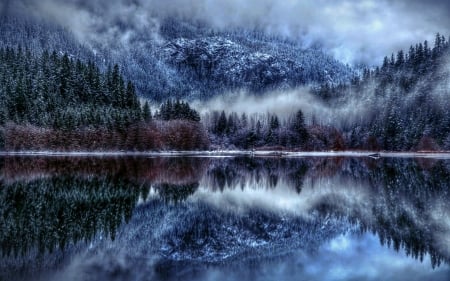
(224, 219)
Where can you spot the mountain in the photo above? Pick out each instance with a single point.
(193, 62)
(401, 105)
(222, 63)
(186, 59)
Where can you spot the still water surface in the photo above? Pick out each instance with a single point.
(237, 218)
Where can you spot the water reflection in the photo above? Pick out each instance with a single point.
(223, 219)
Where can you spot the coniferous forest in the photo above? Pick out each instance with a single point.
(56, 102)
(56, 95)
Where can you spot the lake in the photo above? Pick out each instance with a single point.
(224, 218)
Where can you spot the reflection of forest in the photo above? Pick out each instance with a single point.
(51, 213)
(135, 169)
(53, 202)
(410, 208)
(49, 203)
(256, 172)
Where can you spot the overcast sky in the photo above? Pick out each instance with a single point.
(353, 31)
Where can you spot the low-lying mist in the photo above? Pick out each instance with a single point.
(285, 103)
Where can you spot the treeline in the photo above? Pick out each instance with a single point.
(268, 131)
(155, 136)
(176, 109)
(399, 72)
(52, 101)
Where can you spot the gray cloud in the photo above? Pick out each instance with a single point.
(353, 31)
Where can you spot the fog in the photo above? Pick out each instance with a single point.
(353, 31)
(285, 103)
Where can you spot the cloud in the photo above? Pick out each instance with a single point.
(353, 31)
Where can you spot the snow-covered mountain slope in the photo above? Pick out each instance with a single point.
(190, 61)
(226, 62)
(185, 59)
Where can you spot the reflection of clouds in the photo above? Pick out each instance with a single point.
(440, 215)
(336, 192)
(347, 257)
(354, 257)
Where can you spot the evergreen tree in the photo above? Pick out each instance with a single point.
(222, 125)
(400, 59)
(146, 112)
(299, 128)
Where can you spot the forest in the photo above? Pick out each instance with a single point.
(54, 102)
(62, 101)
(403, 106)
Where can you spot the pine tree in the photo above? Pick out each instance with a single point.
(146, 112)
(400, 59)
(222, 125)
(299, 128)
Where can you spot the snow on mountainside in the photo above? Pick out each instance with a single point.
(238, 59)
(228, 63)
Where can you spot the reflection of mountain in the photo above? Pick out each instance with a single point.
(195, 232)
(216, 211)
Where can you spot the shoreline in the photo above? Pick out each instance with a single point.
(231, 153)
